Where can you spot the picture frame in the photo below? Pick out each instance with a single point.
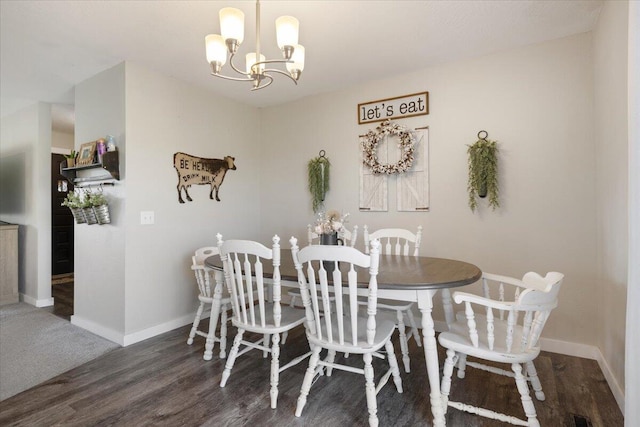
(86, 153)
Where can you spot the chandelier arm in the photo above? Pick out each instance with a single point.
(265, 76)
(273, 70)
(274, 61)
(237, 79)
(231, 56)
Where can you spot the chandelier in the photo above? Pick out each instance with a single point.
(256, 71)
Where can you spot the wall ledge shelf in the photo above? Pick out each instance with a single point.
(110, 163)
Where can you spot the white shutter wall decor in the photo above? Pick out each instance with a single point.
(373, 187)
(413, 185)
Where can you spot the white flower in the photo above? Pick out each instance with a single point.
(329, 222)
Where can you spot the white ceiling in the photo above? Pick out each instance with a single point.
(46, 47)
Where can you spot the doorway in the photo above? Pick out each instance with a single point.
(62, 224)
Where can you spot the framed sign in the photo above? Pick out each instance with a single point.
(416, 104)
(86, 153)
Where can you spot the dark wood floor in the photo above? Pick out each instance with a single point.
(164, 382)
(62, 294)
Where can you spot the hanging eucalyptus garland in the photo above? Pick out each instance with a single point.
(483, 172)
(318, 180)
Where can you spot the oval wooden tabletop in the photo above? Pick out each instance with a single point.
(395, 272)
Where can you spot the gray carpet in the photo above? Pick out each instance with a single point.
(36, 346)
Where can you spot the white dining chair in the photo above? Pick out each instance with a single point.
(256, 308)
(505, 329)
(330, 326)
(211, 292)
(349, 238)
(398, 241)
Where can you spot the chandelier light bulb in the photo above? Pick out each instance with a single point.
(216, 51)
(232, 24)
(287, 31)
(295, 68)
(251, 60)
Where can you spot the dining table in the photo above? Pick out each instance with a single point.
(402, 278)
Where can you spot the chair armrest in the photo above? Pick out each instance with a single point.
(460, 297)
(504, 279)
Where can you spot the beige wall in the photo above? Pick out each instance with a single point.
(100, 257)
(610, 131)
(133, 281)
(25, 158)
(165, 116)
(62, 140)
(536, 101)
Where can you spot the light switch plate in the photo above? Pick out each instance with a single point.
(147, 217)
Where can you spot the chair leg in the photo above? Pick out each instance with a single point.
(404, 347)
(370, 389)
(265, 342)
(393, 364)
(196, 322)
(331, 357)
(232, 357)
(308, 377)
(445, 386)
(275, 368)
(462, 365)
(532, 374)
(414, 328)
(283, 340)
(527, 403)
(223, 332)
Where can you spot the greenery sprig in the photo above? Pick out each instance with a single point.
(318, 169)
(483, 173)
(72, 201)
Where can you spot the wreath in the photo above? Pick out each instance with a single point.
(372, 138)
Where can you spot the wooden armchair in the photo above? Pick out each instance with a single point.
(504, 328)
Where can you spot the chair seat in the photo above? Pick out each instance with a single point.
(384, 329)
(291, 317)
(457, 339)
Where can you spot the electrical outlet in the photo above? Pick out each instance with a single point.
(146, 217)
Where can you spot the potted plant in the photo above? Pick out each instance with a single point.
(100, 207)
(483, 173)
(74, 203)
(87, 209)
(318, 170)
(71, 158)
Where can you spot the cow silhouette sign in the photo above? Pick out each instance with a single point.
(194, 170)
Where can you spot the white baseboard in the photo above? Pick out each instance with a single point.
(46, 302)
(125, 340)
(97, 329)
(157, 330)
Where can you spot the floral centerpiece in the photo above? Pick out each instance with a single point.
(330, 222)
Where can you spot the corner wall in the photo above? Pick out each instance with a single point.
(133, 281)
(165, 116)
(100, 257)
(610, 127)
